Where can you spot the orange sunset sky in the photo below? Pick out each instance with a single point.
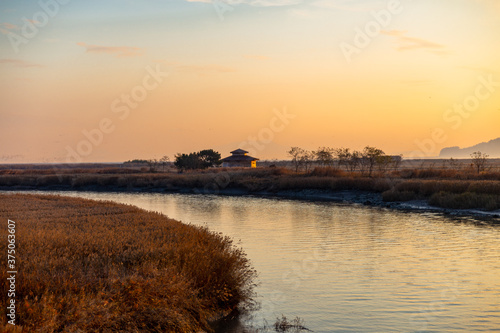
(113, 80)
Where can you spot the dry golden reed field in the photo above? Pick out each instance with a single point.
(441, 185)
(92, 266)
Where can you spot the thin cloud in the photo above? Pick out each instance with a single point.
(6, 28)
(117, 51)
(406, 43)
(9, 26)
(19, 63)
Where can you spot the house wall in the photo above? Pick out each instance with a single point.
(249, 164)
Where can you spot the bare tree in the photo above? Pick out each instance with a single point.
(386, 162)
(396, 161)
(153, 164)
(454, 164)
(369, 158)
(344, 156)
(479, 161)
(354, 160)
(383, 162)
(164, 161)
(295, 153)
(307, 159)
(324, 156)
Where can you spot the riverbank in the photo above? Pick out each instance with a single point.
(366, 198)
(455, 192)
(376, 200)
(101, 266)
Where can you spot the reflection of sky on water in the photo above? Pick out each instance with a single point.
(348, 268)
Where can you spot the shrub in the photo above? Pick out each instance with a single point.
(106, 180)
(84, 180)
(9, 180)
(467, 200)
(48, 180)
(488, 187)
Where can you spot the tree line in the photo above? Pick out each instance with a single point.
(203, 159)
(365, 161)
(152, 163)
(200, 160)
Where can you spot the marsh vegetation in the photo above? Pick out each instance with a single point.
(93, 266)
(450, 184)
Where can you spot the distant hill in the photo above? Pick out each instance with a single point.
(491, 148)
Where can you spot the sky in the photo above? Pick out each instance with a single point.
(115, 80)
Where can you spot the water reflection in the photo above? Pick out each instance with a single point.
(345, 268)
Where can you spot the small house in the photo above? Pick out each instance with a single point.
(239, 159)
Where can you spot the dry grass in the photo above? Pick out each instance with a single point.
(406, 184)
(284, 325)
(457, 174)
(456, 194)
(88, 266)
(465, 200)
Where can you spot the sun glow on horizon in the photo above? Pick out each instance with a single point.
(189, 75)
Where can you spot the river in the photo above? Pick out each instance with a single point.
(351, 268)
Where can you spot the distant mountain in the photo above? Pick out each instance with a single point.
(491, 148)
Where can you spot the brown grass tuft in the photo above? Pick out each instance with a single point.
(104, 267)
(467, 200)
(327, 172)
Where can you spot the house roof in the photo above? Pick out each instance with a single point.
(239, 152)
(239, 158)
